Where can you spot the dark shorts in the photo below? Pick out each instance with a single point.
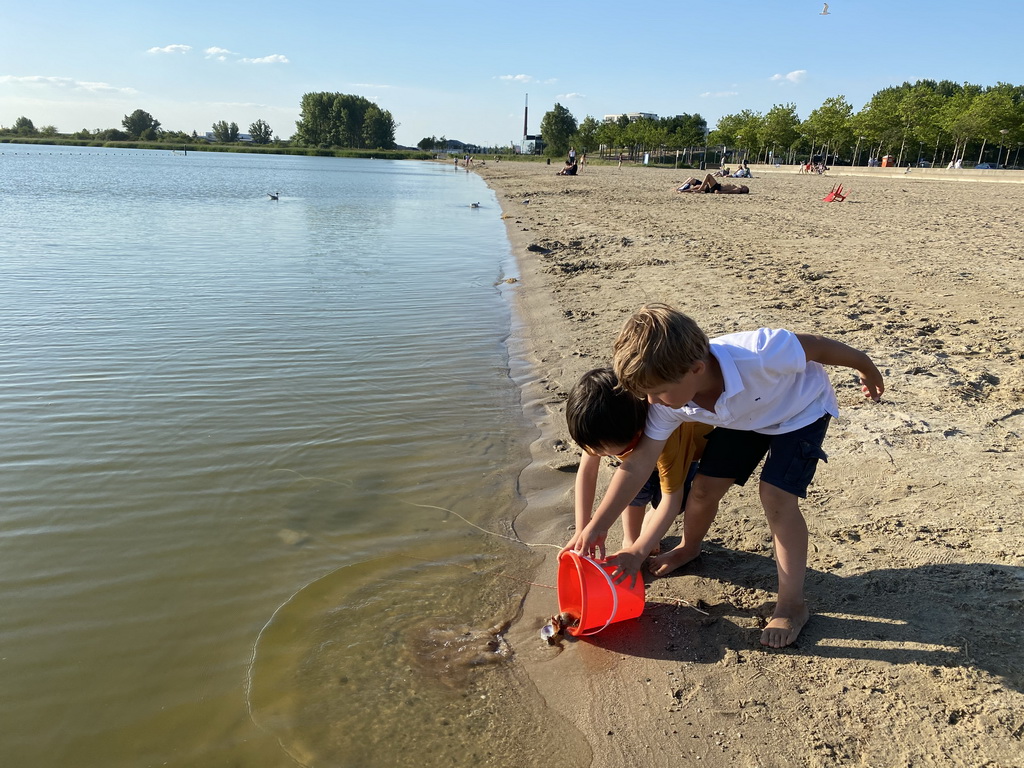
(651, 492)
(792, 457)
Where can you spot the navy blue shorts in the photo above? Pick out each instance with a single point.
(651, 492)
(792, 457)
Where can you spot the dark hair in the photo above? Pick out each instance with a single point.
(599, 413)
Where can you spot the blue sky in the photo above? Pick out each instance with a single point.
(463, 70)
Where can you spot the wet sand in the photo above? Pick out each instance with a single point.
(914, 654)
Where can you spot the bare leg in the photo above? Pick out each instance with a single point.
(632, 524)
(708, 184)
(701, 508)
(789, 533)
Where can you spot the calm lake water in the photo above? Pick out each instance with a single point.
(230, 429)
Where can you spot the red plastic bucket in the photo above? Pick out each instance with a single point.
(586, 591)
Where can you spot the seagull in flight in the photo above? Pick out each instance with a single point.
(824, 11)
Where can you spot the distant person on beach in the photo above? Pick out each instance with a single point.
(743, 172)
(620, 159)
(569, 169)
(766, 392)
(722, 172)
(605, 420)
(712, 186)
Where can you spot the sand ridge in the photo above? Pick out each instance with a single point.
(914, 654)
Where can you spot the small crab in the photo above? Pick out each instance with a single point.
(554, 630)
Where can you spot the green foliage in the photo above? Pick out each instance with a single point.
(141, 125)
(261, 132)
(830, 124)
(111, 134)
(378, 129)
(685, 130)
(781, 127)
(225, 132)
(585, 138)
(557, 128)
(343, 120)
(24, 127)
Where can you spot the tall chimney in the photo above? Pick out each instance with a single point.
(526, 116)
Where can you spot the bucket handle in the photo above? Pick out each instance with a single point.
(611, 586)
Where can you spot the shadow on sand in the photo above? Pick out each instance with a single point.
(944, 615)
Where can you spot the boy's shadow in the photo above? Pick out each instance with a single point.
(948, 615)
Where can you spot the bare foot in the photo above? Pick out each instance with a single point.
(785, 625)
(663, 565)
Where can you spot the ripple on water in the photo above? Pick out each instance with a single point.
(435, 674)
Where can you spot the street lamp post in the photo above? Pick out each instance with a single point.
(920, 154)
(1002, 132)
(856, 152)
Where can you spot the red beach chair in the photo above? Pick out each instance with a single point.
(836, 195)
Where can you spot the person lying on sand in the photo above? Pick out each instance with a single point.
(766, 392)
(605, 420)
(711, 185)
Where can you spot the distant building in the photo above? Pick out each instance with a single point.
(633, 117)
(532, 145)
(454, 146)
(241, 137)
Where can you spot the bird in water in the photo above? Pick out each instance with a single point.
(273, 195)
(824, 11)
(474, 205)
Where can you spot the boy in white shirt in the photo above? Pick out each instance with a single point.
(765, 392)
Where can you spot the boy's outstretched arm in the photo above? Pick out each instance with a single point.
(820, 349)
(626, 483)
(585, 489)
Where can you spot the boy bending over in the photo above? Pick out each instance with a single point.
(765, 392)
(606, 420)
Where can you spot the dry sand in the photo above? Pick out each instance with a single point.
(914, 655)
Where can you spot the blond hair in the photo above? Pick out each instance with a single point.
(657, 345)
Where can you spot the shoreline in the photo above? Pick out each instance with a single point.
(916, 573)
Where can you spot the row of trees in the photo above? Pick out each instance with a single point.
(560, 131)
(343, 120)
(142, 126)
(928, 119)
(328, 120)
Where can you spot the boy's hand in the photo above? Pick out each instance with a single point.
(628, 565)
(871, 383)
(586, 542)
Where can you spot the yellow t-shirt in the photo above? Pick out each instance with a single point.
(683, 447)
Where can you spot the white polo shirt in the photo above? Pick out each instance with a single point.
(770, 388)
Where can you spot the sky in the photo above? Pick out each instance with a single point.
(465, 70)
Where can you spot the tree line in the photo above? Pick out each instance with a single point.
(927, 120)
(327, 120)
(344, 120)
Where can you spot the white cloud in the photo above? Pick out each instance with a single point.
(171, 49)
(517, 78)
(796, 76)
(65, 83)
(221, 54)
(718, 94)
(571, 96)
(275, 58)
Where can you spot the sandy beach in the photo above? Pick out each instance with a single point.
(914, 655)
